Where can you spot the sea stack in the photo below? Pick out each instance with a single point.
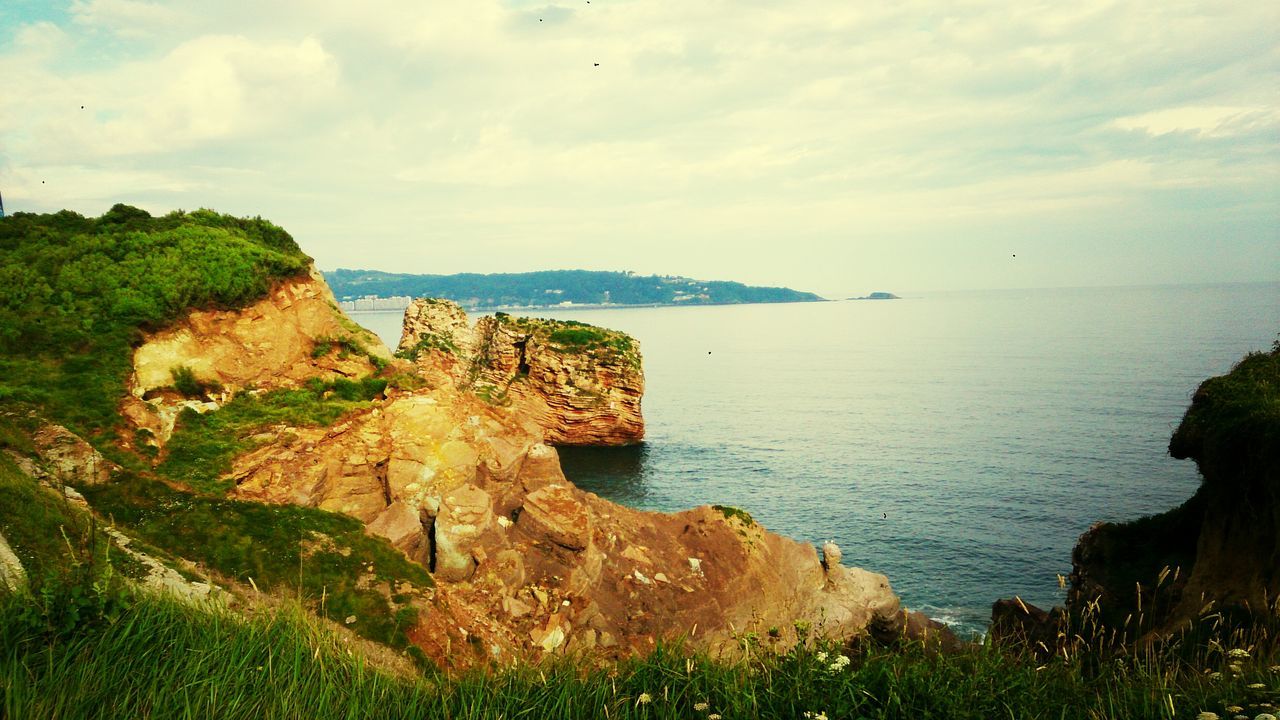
(582, 384)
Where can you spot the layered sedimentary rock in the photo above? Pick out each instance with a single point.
(462, 477)
(527, 563)
(581, 383)
(295, 334)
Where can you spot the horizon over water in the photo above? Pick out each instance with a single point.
(992, 427)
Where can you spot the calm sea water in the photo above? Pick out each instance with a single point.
(992, 428)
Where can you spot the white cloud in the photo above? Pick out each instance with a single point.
(706, 128)
(1200, 120)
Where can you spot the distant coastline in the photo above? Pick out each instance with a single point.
(386, 306)
(363, 290)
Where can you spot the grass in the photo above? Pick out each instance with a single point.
(77, 293)
(1234, 420)
(427, 342)
(161, 659)
(302, 552)
(203, 446)
(731, 512)
(571, 336)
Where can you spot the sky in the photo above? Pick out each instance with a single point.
(836, 147)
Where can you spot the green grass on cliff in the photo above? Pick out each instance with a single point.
(76, 293)
(203, 446)
(159, 659)
(571, 336)
(1234, 419)
(325, 559)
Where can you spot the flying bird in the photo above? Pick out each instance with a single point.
(884, 516)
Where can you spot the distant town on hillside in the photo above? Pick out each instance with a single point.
(376, 290)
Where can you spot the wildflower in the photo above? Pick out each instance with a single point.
(1215, 675)
(1264, 716)
(644, 699)
(1206, 715)
(822, 656)
(713, 716)
(1234, 709)
(1235, 668)
(1238, 654)
(701, 707)
(1256, 686)
(1275, 668)
(815, 716)
(841, 663)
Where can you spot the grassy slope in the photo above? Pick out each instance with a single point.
(76, 293)
(159, 659)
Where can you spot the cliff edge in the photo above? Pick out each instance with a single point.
(450, 458)
(1219, 552)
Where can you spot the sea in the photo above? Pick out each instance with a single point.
(958, 442)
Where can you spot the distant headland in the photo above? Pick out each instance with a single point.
(377, 290)
(877, 296)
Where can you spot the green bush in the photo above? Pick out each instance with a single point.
(77, 293)
(204, 445)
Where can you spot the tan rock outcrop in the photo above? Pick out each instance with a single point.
(62, 457)
(526, 563)
(13, 578)
(581, 383)
(296, 333)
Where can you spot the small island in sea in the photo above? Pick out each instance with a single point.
(377, 290)
(877, 296)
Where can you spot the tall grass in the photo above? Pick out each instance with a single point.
(160, 659)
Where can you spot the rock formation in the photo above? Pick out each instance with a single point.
(294, 334)
(1220, 550)
(581, 383)
(525, 563)
(13, 578)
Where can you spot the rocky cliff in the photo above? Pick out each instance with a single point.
(1217, 552)
(581, 383)
(1222, 547)
(295, 334)
(468, 486)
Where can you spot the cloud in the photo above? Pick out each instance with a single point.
(706, 128)
(1203, 121)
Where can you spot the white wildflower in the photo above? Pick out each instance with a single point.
(1235, 668)
(1264, 716)
(840, 663)
(1234, 709)
(644, 699)
(701, 707)
(713, 716)
(822, 656)
(815, 716)
(1215, 675)
(1256, 686)
(1238, 654)
(1206, 715)
(1275, 668)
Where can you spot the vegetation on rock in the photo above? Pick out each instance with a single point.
(76, 293)
(204, 444)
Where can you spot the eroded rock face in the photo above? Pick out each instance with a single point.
(1220, 550)
(582, 384)
(526, 563)
(13, 578)
(62, 457)
(294, 334)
